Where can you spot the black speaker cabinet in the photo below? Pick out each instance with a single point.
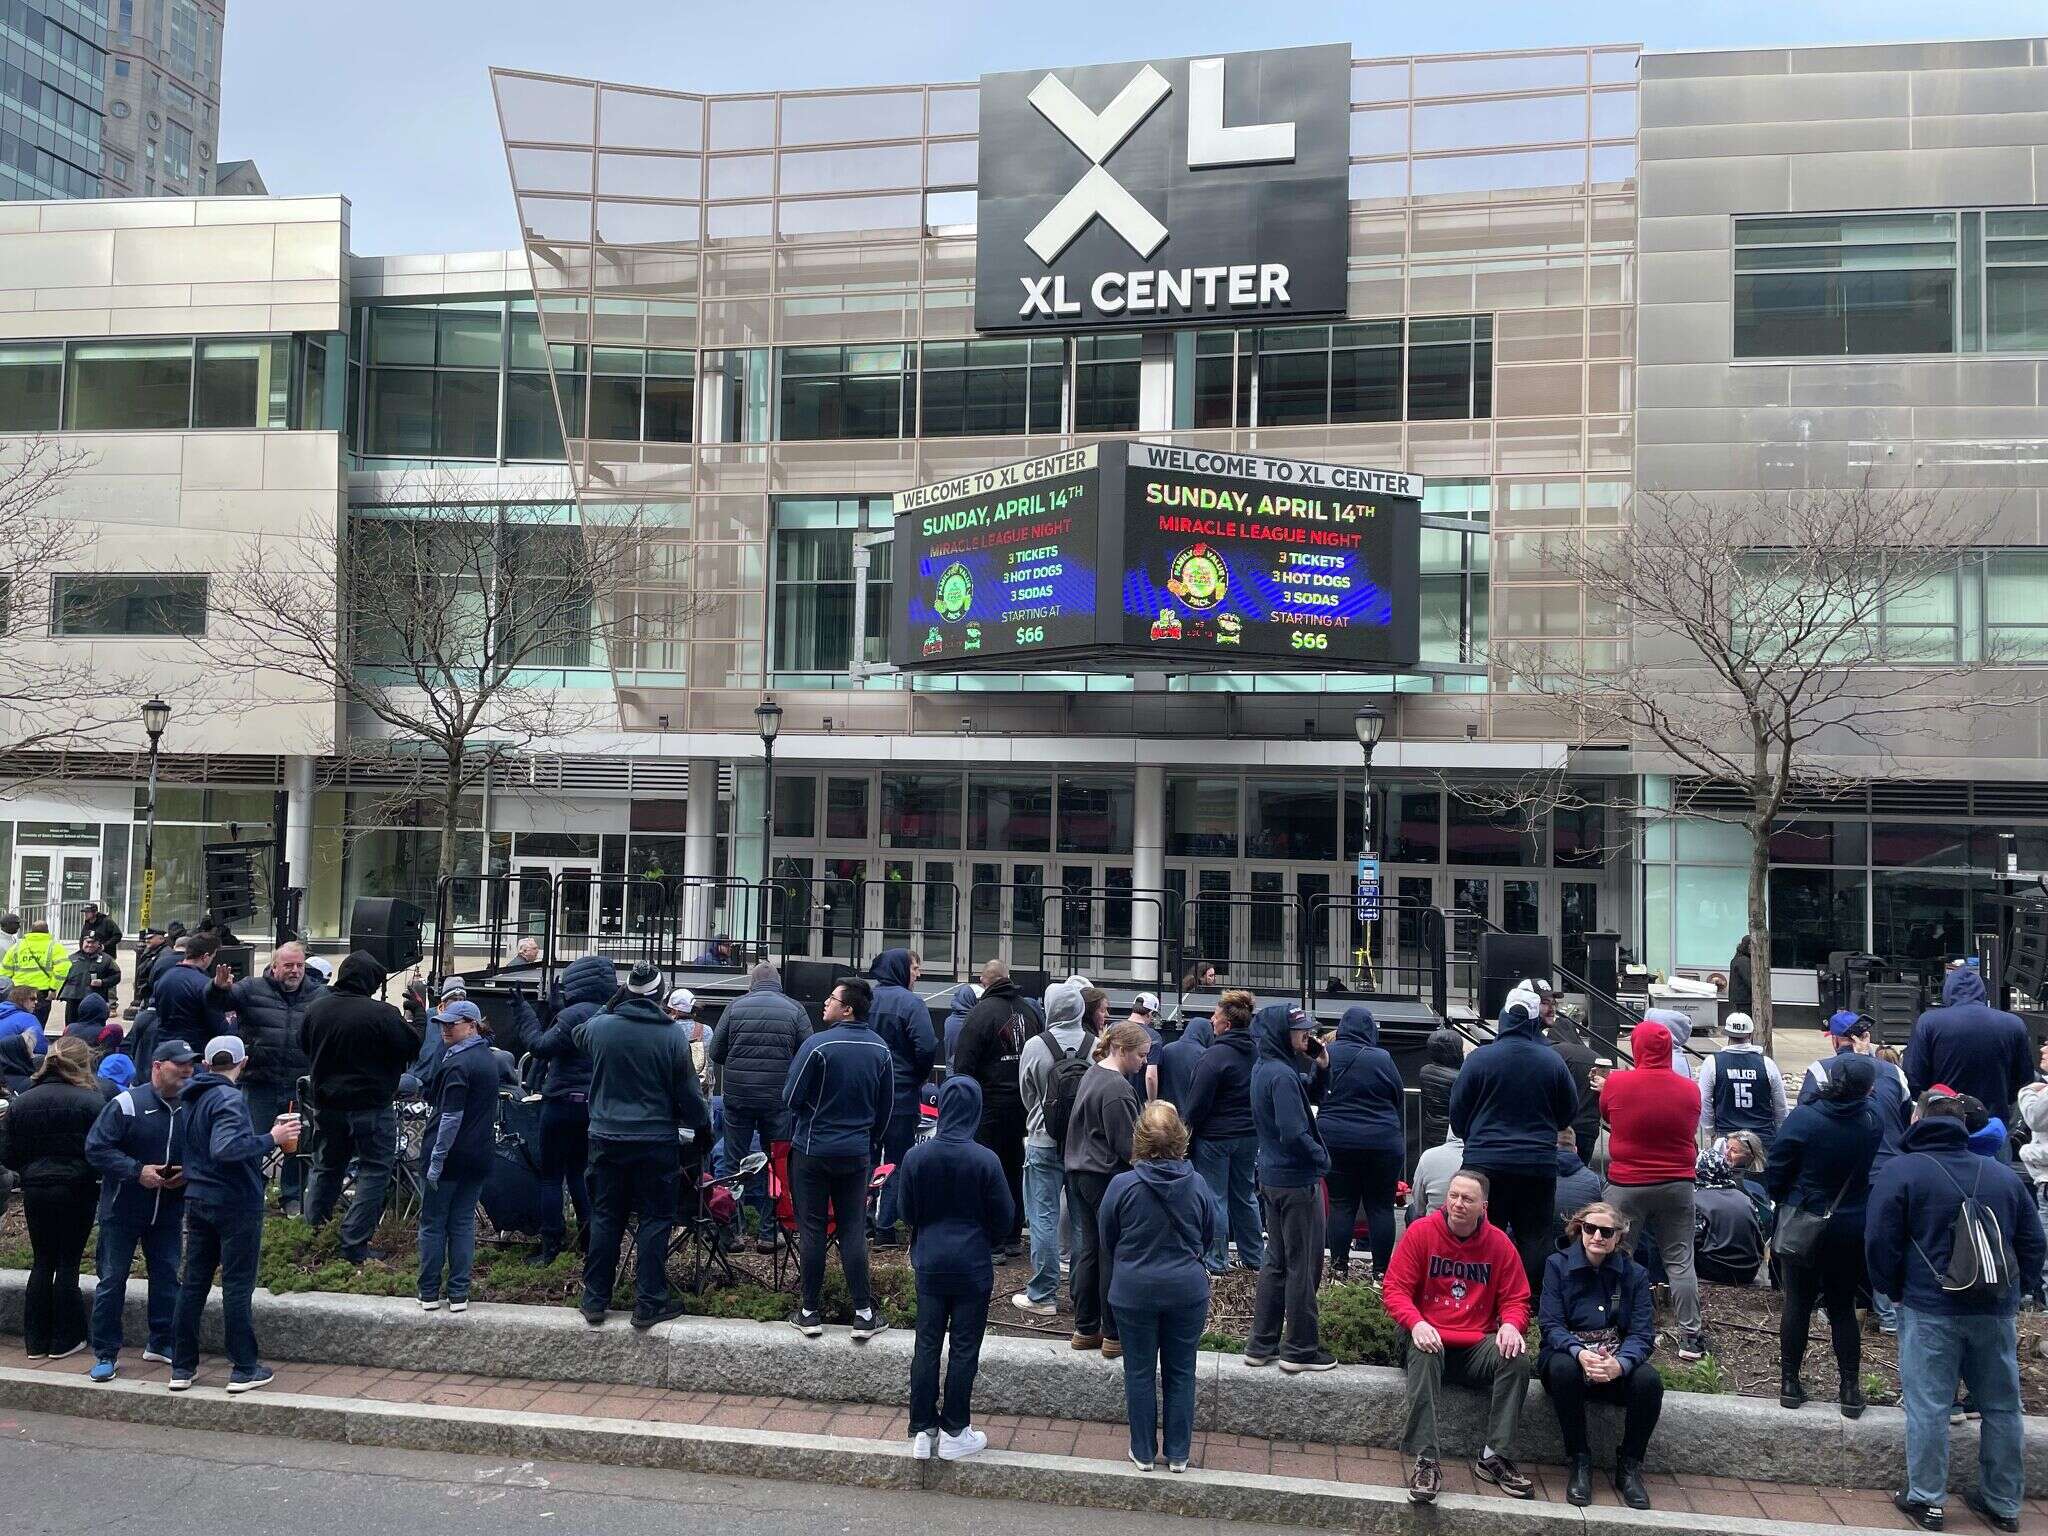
(1505, 959)
(389, 929)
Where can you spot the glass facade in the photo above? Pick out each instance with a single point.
(271, 382)
(53, 66)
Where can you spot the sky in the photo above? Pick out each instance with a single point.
(389, 103)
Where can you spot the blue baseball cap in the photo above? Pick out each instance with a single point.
(460, 1011)
(1848, 1022)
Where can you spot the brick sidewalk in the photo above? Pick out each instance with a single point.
(1052, 1437)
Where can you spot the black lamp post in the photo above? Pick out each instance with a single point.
(156, 714)
(768, 720)
(1369, 723)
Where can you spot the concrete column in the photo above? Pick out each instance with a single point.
(1155, 383)
(700, 851)
(298, 819)
(1148, 868)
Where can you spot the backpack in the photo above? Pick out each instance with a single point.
(1068, 1068)
(1980, 1265)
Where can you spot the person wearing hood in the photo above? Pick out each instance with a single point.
(357, 1046)
(720, 954)
(1360, 1120)
(1578, 1058)
(1653, 1118)
(1909, 1231)
(757, 1038)
(643, 1094)
(1292, 1163)
(1971, 1046)
(1679, 1023)
(113, 1074)
(1218, 1116)
(585, 986)
(1157, 1223)
(17, 1066)
(1512, 1097)
(1741, 1088)
(1577, 1185)
(18, 1018)
(904, 1023)
(1821, 1163)
(956, 1197)
(1099, 1131)
(224, 1158)
(87, 1019)
(1177, 1062)
(47, 1131)
(1064, 1038)
(1443, 1057)
(990, 1050)
(137, 1146)
(1741, 978)
(965, 996)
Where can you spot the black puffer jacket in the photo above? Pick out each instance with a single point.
(1446, 1050)
(756, 1039)
(272, 1024)
(586, 986)
(46, 1131)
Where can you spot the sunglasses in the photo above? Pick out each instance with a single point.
(1593, 1229)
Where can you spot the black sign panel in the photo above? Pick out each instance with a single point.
(1175, 192)
(1131, 554)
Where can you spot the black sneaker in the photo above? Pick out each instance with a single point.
(672, 1308)
(1926, 1516)
(1975, 1500)
(1424, 1481)
(1503, 1474)
(594, 1315)
(808, 1323)
(867, 1324)
(1322, 1360)
(1695, 1346)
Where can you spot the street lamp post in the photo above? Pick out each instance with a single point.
(768, 719)
(156, 714)
(1369, 723)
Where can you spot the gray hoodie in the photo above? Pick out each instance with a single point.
(1680, 1025)
(1034, 1068)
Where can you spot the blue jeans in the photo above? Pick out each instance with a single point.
(160, 1252)
(741, 1127)
(1159, 1350)
(231, 1241)
(1230, 1168)
(1887, 1311)
(1045, 1180)
(1983, 1352)
(266, 1102)
(896, 1142)
(448, 1235)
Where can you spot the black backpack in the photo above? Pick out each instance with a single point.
(1980, 1265)
(1068, 1068)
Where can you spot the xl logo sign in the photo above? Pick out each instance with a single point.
(1230, 172)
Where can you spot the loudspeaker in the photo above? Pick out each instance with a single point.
(1504, 959)
(810, 982)
(239, 958)
(389, 929)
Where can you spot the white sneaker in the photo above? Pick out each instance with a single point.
(1023, 1303)
(459, 1306)
(66, 1354)
(967, 1443)
(430, 1305)
(180, 1383)
(1176, 1466)
(152, 1355)
(922, 1446)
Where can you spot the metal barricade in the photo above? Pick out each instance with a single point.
(922, 916)
(1093, 933)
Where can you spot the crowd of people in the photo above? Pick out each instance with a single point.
(1552, 1191)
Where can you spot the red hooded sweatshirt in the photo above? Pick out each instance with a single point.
(1464, 1288)
(1652, 1115)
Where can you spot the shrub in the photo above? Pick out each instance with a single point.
(1700, 1376)
(1357, 1328)
(1224, 1343)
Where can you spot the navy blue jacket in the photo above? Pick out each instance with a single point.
(1178, 1061)
(643, 1080)
(465, 1087)
(904, 1023)
(135, 1128)
(1513, 1095)
(1577, 1187)
(1825, 1149)
(756, 1040)
(840, 1088)
(1291, 1153)
(1219, 1105)
(224, 1154)
(964, 999)
(185, 1010)
(953, 1193)
(1582, 1297)
(1887, 1096)
(1971, 1046)
(1157, 1221)
(1361, 1110)
(585, 987)
(1913, 1210)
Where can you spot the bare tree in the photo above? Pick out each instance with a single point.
(445, 621)
(1772, 648)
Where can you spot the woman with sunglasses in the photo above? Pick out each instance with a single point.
(1598, 1331)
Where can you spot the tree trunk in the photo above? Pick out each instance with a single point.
(1760, 935)
(444, 899)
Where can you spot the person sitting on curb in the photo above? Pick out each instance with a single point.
(1598, 1331)
(137, 1145)
(1460, 1294)
(956, 1198)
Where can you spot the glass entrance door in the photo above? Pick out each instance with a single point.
(53, 885)
(1006, 908)
(1094, 934)
(569, 888)
(1578, 914)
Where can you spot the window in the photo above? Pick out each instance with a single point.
(129, 606)
(1201, 818)
(118, 386)
(184, 37)
(119, 168)
(175, 95)
(1097, 814)
(177, 151)
(244, 383)
(1106, 370)
(818, 547)
(1292, 820)
(2015, 604)
(1455, 597)
(1843, 287)
(31, 387)
(533, 427)
(120, 69)
(639, 393)
(2016, 281)
(1450, 369)
(1004, 387)
(738, 381)
(844, 392)
(433, 380)
(921, 810)
(1317, 375)
(1010, 815)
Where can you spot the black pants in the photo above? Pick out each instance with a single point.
(564, 1155)
(1639, 1394)
(836, 1187)
(631, 1178)
(1524, 1204)
(1289, 1276)
(1362, 1179)
(1093, 1264)
(943, 1319)
(1002, 1132)
(53, 1311)
(1832, 1279)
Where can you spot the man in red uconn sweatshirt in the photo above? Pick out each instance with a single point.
(1653, 1117)
(1457, 1288)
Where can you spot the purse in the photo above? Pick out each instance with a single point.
(1801, 1228)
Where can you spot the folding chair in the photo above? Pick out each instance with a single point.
(707, 1235)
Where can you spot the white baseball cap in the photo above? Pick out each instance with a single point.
(683, 1000)
(1738, 1026)
(1145, 1002)
(1525, 997)
(229, 1046)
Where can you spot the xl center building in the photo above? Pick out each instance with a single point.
(1533, 281)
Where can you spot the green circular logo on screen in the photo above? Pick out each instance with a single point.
(956, 593)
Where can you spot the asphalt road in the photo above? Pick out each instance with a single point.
(70, 1475)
